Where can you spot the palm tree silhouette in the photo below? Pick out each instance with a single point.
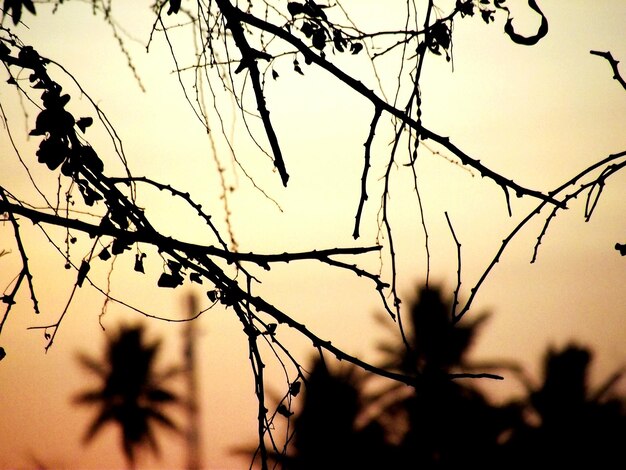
(441, 423)
(444, 423)
(568, 424)
(131, 393)
(325, 432)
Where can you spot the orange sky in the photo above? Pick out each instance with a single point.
(540, 113)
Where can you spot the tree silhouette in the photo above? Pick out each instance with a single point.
(568, 424)
(132, 393)
(325, 431)
(89, 205)
(451, 424)
(440, 423)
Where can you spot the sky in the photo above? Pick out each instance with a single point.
(541, 114)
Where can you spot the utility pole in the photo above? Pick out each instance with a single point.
(193, 415)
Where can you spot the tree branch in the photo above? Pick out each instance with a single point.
(249, 61)
(366, 167)
(379, 103)
(616, 75)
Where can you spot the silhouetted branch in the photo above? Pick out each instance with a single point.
(389, 233)
(175, 192)
(25, 273)
(161, 241)
(593, 189)
(49, 337)
(366, 167)
(379, 103)
(455, 299)
(256, 361)
(527, 40)
(531, 216)
(249, 61)
(616, 75)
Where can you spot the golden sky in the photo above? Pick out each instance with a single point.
(540, 114)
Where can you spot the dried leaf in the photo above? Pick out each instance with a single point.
(82, 272)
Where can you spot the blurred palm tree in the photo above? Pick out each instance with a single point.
(131, 393)
(568, 423)
(440, 423)
(325, 432)
(443, 423)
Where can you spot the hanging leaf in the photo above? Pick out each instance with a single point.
(338, 41)
(356, 47)
(296, 67)
(308, 29)
(294, 388)
(295, 8)
(52, 152)
(195, 277)
(139, 262)
(170, 280)
(42, 123)
(82, 273)
(2, 353)
(439, 37)
(83, 123)
(174, 7)
(283, 410)
(465, 8)
(15, 8)
(314, 10)
(319, 39)
(104, 254)
(212, 295)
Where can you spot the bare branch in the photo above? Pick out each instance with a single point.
(379, 103)
(366, 167)
(249, 61)
(616, 75)
(455, 300)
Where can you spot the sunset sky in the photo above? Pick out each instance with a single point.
(538, 114)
